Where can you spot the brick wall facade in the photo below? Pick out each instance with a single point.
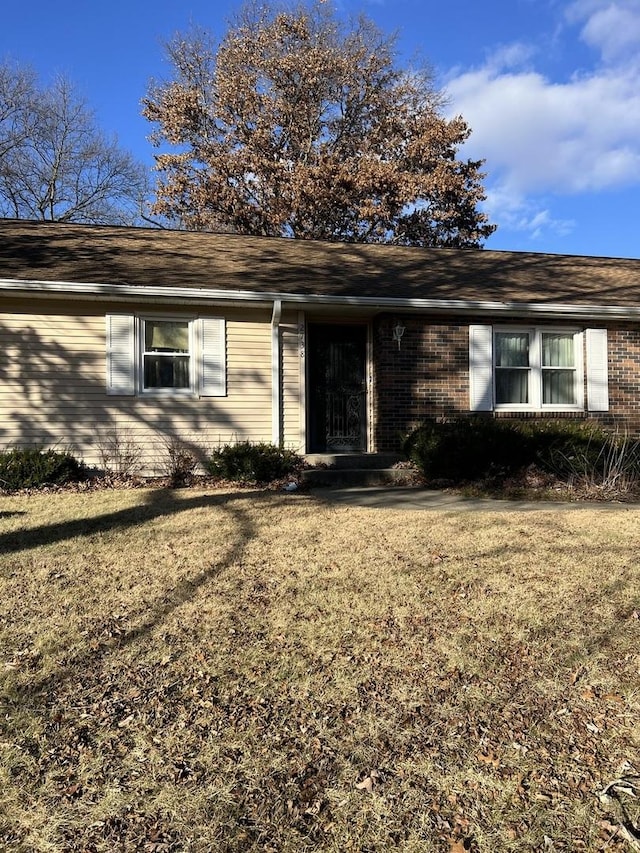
(624, 379)
(428, 377)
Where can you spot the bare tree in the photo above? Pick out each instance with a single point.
(297, 125)
(17, 86)
(54, 161)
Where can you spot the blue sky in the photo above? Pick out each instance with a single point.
(550, 88)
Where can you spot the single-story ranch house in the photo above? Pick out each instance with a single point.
(211, 338)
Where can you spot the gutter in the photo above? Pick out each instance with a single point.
(256, 299)
(276, 401)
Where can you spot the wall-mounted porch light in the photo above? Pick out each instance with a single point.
(398, 332)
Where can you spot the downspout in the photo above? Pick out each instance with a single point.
(276, 384)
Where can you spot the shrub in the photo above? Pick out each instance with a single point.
(475, 448)
(32, 467)
(248, 462)
(120, 454)
(466, 449)
(560, 446)
(606, 467)
(179, 462)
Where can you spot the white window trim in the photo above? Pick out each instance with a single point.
(535, 370)
(193, 360)
(125, 356)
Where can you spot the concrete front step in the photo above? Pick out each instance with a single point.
(352, 461)
(354, 469)
(356, 476)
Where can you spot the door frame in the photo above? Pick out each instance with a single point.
(309, 401)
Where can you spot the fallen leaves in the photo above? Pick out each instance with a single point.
(352, 708)
(74, 791)
(488, 758)
(619, 796)
(369, 782)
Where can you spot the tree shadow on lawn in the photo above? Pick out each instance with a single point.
(12, 512)
(160, 503)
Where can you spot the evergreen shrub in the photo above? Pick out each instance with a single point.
(32, 467)
(466, 449)
(249, 462)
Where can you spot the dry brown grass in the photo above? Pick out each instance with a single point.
(210, 671)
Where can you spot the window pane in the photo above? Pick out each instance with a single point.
(557, 350)
(512, 349)
(559, 387)
(512, 386)
(166, 336)
(162, 371)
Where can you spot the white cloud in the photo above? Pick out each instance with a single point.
(531, 216)
(612, 28)
(513, 55)
(541, 136)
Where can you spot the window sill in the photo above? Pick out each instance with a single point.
(544, 410)
(163, 393)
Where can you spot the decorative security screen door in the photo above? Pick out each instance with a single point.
(337, 388)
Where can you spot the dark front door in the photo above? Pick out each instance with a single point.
(337, 388)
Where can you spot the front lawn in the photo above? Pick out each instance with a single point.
(243, 671)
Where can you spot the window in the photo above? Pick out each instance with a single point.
(538, 369)
(166, 355)
(560, 374)
(512, 367)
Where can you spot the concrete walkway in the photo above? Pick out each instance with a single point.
(415, 498)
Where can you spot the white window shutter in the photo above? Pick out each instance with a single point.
(597, 371)
(480, 368)
(213, 352)
(121, 361)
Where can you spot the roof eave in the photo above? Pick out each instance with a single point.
(41, 289)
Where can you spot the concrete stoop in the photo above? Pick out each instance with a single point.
(355, 469)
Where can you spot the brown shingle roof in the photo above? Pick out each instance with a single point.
(142, 257)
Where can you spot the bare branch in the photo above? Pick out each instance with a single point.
(54, 161)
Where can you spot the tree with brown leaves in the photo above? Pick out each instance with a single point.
(295, 125)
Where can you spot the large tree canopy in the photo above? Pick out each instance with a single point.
(296, 125)
(54, 161)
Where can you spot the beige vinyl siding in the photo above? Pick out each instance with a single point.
(53, 387)
(292, 381)
(48, 384)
